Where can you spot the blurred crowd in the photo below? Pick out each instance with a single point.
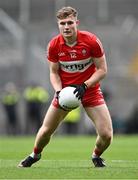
(35, 100)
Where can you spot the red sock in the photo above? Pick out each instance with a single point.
(37, 150)
(97, 152)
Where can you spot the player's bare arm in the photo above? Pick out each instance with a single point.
(54, 76)
(100, 73)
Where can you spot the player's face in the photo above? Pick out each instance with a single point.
(68, 27)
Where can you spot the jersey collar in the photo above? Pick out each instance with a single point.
(62, 41)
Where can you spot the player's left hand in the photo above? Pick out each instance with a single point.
(80, 90)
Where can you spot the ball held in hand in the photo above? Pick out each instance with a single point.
(67, 99)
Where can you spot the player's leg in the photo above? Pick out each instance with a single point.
(103, 124)
(51, 121)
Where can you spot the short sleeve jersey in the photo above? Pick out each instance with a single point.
(76, 62)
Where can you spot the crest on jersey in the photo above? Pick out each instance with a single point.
(84, 52)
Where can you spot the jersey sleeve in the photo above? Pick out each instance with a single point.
(52, 54)
(97, 47)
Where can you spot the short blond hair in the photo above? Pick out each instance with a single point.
(66, 12)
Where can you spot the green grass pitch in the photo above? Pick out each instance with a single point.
(69, 158)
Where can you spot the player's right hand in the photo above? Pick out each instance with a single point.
(57, 94)
(57, 97)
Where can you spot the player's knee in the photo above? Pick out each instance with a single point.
(107, 136)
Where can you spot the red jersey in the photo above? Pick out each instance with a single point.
(76, 62)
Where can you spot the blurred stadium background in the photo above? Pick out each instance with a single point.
(27, 26)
